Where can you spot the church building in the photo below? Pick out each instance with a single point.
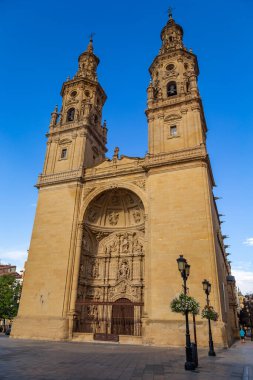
(102, 262)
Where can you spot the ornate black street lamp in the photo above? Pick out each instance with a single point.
(184, 269)
(207, 289)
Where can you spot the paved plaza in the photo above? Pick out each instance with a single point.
(32, 360)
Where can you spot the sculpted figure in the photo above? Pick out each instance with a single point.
(124, 270)
(125, 244)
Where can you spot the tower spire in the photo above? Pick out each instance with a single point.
(88, 62)
(90, 47)
(170, 12)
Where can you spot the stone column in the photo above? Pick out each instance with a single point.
(75, 276)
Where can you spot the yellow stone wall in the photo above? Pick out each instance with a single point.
(45, 291)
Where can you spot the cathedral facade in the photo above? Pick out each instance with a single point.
(107, 233)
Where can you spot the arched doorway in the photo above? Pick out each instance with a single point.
(111, 276)
(123, 317)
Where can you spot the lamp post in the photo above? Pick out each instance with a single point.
(184, 269)
(207, 289)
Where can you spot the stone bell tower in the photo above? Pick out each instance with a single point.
(76, 140)
(183, 216)
(175, 114)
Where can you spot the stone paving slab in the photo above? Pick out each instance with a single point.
(40, 360)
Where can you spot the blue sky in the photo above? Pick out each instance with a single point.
(40, 44)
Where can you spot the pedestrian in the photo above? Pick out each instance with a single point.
(242, 335)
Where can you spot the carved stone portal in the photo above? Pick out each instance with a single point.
(112, 262)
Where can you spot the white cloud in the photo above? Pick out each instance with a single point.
(244, 280)
(248, 241)
(13, 257)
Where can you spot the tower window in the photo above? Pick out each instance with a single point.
(64, 153)
(73, 94)
(173, 130)
(171, 89)
(70, 114)
(170, 67)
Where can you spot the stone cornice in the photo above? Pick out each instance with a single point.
(177, 101)
(62, 177)
(119, 169)
(58, 130)
(84, 81)
(172, 54)
(175, 157)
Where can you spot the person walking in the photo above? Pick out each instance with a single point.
(242, 335)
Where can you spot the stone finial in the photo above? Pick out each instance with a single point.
(90, 45)
(170, 12)
(116, 154)
(54, 116)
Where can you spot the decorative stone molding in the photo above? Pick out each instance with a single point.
(63, 177)
(87, 191)
(140, 183)
(172, 117)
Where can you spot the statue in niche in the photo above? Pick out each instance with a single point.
(95, 269)
(97, 295)
(90, 292)
(92, 215)
(85, 244)
(113, 218)
(113, 248)
(137, 215)
(125, 243)
(124, 270)
(92, 311)
(137, 246)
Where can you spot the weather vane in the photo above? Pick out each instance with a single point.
(91, 36)
(170, 11)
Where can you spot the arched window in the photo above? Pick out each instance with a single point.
(171, 89)
(70, 114)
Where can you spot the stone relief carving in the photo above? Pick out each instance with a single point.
(141, 184)
(113, 218)
(137, 246)
(137, 215)
(101, 235)
(123, 287)
(97, 294)
(115, 200)
(129, 199)
(92, 311)
(92, 215)
(93, 268)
